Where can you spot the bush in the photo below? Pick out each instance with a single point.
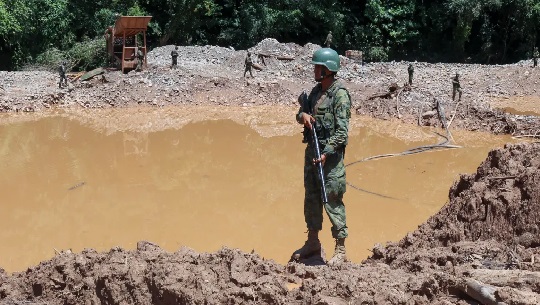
(377, 54)
(88, 54)
(82, 56)
(48, 60)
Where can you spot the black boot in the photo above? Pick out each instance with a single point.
(312, 246)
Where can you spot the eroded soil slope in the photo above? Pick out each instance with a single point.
(486, 234)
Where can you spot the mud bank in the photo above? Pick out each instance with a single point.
(486, 234)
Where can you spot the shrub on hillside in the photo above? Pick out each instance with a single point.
(82, 56)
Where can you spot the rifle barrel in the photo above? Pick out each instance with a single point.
(320, 170)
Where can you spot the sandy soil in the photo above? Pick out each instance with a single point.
(485, 237)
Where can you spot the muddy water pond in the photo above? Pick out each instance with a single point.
(206, 178)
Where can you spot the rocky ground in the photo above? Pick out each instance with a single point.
(480, 248)
(209, 75)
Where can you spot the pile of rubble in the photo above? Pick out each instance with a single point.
(211, 75)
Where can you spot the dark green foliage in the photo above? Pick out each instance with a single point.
(484, 31)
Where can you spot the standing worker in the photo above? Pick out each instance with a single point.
(140, 58)
(330, 106)
(410, 69)
(456, 86)
(535, 56)
(261, 58)
(328, 41)
(62, 73)
(248, 64)
(174, 56)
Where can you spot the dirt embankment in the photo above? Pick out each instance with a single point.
(209, 75)
(485, 238)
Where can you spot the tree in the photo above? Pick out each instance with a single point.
(466, 12)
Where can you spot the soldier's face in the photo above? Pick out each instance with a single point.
(319, 72)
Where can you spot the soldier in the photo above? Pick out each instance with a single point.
(410, 69)
(456, 86)
(140, 58)
(330, 105)
(174, 56)
(248, 64)
(62, 72)
(328, 40)
(535, 56)
(261, 58)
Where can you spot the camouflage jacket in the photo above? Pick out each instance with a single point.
(332, 113)
(328, 39)
(455, 82)
(249, 62)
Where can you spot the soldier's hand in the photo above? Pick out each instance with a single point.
(306, 119)
(321, 160)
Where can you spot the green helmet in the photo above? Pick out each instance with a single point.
(326, 57)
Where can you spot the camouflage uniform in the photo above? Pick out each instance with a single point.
(410, 69)
(174, 56)
(456, 86)
(535, 57)
(248, 64)
(328, 40)
(140, 59)
(62, 73)
(261, 59)
(332, 111)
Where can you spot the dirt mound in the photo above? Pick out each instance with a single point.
(501, 202)
(486, 237)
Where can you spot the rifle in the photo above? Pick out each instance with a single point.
(316, 148)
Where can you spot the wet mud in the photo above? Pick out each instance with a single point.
(480, 234)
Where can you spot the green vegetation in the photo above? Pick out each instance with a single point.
(485, 31)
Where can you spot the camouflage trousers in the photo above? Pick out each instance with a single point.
(248, 68)
(334, 171)
(454, 90)
(63, 80)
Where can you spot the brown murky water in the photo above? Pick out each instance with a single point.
(205, 178)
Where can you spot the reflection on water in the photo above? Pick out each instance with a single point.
(66, 184)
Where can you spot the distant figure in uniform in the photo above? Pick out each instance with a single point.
(261, 58)
(62, 72)
(140, 57)
(456, 86)
(328, 40)
(174, 56)
(535, 56)
(410, 69)
(248, 64)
